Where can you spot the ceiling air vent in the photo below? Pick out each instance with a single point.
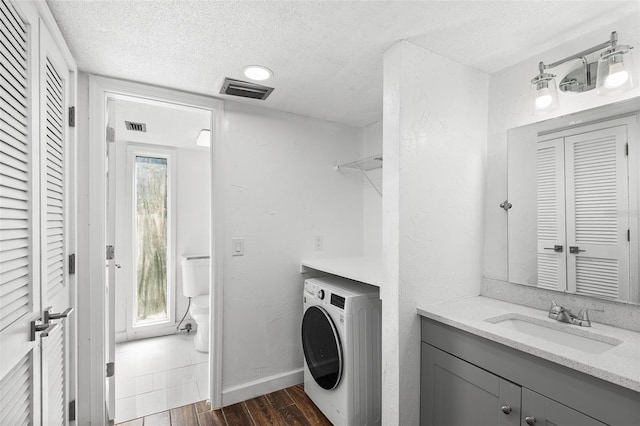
(136, 127)
(245, 89)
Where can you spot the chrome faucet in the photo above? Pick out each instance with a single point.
(560, 313)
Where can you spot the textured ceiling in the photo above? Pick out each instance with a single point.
(327, 56)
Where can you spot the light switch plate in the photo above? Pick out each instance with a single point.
(237, 246)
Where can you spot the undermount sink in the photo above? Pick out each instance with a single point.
(560, 333)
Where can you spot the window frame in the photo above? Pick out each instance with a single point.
(155, 327)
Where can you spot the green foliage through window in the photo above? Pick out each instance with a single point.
(151, 238)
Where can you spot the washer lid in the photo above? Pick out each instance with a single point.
(322, 348)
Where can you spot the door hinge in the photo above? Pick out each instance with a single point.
(72, 263)
(111, 369)
(72, 116)
(111, 134)
(111, 252)
(628, 234)
(72, 410)
(626, 149)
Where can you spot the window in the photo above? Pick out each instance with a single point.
(152, 236)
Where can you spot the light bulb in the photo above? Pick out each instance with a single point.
(617, 76)
(257, 72)
(544, 99)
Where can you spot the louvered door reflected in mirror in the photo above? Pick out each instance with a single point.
(574, 222)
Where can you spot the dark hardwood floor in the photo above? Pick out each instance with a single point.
(286, 407)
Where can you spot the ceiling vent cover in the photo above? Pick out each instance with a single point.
(136, 127)
(245, 89)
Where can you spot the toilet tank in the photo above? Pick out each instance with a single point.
(195, 275)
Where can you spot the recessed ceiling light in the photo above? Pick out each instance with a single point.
(204, 138)
(257, 72)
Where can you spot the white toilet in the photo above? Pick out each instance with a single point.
(195, 284)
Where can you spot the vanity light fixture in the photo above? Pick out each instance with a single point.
(204, 138)
(257, 72)
(613, 73)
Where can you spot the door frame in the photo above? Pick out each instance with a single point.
(99, 89)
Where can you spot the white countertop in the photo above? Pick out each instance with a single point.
(619, 365)
(363, 269)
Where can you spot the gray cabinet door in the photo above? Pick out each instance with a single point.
(456, 393)
(541, 411)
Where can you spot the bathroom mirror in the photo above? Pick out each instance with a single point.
(573, 187)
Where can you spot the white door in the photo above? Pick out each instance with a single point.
(54, 207)
(598, 213)
(552, 263)
(19, 218)
(34, 221)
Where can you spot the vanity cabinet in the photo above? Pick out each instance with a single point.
(540, 410)
(467, 379)
(456, 392)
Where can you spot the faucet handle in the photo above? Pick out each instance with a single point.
(584, 313)
(582, 318)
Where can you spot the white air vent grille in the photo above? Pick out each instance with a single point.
(244, 89)
(136, 127)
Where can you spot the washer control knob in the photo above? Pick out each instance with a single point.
(320, 294)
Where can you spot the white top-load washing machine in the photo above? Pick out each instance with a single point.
(341, 332)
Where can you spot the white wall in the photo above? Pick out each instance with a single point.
(508, 108)
(282, 191)
(372, 201)
(435, 129)
(193, 195)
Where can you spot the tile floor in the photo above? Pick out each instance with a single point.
(158, 374)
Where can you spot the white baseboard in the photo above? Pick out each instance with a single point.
(262, 386)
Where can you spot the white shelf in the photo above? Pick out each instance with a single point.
(365, 165)
(363, 269)
(369, 163)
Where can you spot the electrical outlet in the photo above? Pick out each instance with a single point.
(318, 244)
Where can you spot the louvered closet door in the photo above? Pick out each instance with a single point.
(597, 213)
(550, 215)
(19, 218)
(54, 82)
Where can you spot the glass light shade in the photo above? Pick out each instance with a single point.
(204, 138)
(543, 96)
(257, 72)
(615, 72)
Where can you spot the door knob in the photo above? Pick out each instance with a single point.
(530, 420)
(557, 248)
(44, 329)
(575, 250)
(506, 409)
(48, 315)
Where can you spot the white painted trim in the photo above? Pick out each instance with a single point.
(262, 386)
(99, 89)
